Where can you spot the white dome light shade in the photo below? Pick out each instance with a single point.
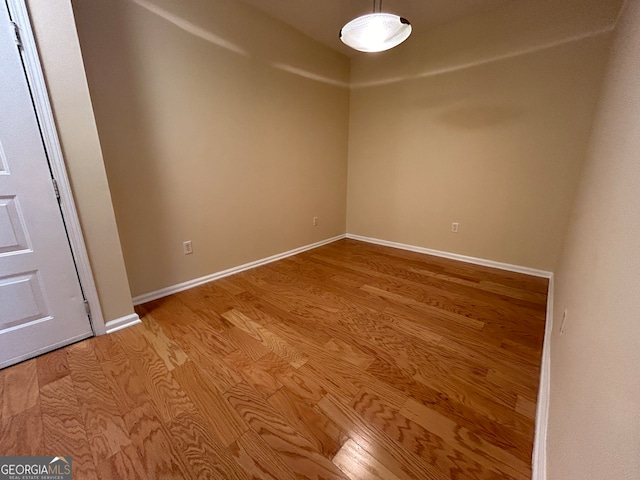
(375, 32)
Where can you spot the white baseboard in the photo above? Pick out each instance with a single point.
(122, 322)
(542, 413)
(163, 292)
(454, 256)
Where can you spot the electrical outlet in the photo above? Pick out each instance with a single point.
(187, 247)
(454, 227)
(315, 221)
(564, 320)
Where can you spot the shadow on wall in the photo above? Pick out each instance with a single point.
(514, 29)
(479, 117)
(219, 41)
(191, 27)
(481, 60)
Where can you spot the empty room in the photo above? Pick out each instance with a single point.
(331, 239)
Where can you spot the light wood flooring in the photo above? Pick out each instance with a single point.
(350, 361)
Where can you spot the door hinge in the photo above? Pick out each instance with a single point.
(55, 188)
(87, 308)
(16, 34)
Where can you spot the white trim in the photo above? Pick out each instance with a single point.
(122, 322)
(37, 84)
(454, 256)
(163, 292)
(42, 351)
(542, 413)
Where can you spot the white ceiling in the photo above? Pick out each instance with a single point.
(323, 19)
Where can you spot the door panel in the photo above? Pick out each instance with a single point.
(13, 237)
(41, 302)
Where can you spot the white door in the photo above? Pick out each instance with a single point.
(41, 301)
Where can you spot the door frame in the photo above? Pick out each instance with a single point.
(35, 78)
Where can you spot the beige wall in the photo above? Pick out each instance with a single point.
(55, 32)
(594, 423)
(482, 122)
(218, 125)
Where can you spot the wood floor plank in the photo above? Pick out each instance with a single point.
(167, 396)
(390, 343)
(425, 309)
(267, 338)
(209, 299)
(311, 283)
(127, 387)
(398, 283)
(349, 352)
(63, 426)
(333, 384)
(252, 373)
(530, 355)
(340, 281)
(124, 464)
(21, 434)
(293, 448)
(526, 407)
(491, 289)
(160, 458)
(224, 422)
(249, 305)
(417, 439)
(245, 342)
(21, 425)
(274, 364)
(51, 367)
(508, 382)
(474, 300)
(204, 457)
(485, 453)
(229, 286)
(400, 461)
(170, 353)
(103, 423)
(20, 389)
(285, 292)
(358, 464)
(448, 266)
(497, 359)
(477, 401)
(216, 370)
(303, 386)
(208, 330)
(313, 424)
(202, 351)
(486, 428)
(182, 315)
(258, 460)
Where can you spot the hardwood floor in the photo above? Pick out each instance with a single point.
(351, 361)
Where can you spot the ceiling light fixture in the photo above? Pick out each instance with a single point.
(375, 32)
